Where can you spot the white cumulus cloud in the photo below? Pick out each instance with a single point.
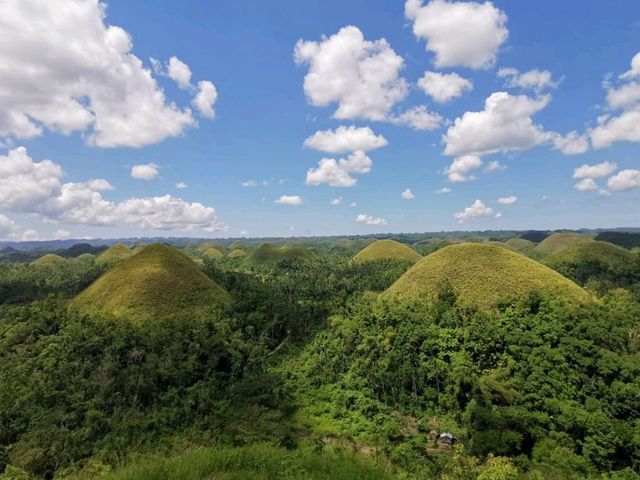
(345, 139)
(462, 167)
(510, 200)
(536, 80)
(181, 185)
(407, 194)
(460, 34)
(571, 144)
(361, 76)
(624, 180)
(337, 173)
(504, 125)
(179, 72)
(370, 220)
(205, 99)
(76, 73)
(443, 190)
(598, 170)
(336, 201)
(586, 184)
(444, 87)
(476, 210)
(147, 171)
(418, 118)
(289, 200)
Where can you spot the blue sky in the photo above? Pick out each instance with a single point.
(578, 55)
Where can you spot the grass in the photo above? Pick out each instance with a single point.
(237, 253)
(203, 247)
(616, 258)
(387, 249)
(114, 254)
(482, 275)
(49, 259)
(269, 253)
(556, 242)
(519, 244)
(211, 253)
(257, 462)
(157, 281)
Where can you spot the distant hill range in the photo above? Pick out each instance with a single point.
(71, 247)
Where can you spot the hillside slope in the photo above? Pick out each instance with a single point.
(481, 275)
(387, 249)
(157, 281)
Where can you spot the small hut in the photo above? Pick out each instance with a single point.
(447, 440)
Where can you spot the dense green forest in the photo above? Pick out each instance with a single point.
(309, 370)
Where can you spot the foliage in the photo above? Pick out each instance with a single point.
(273, 254)
(114, 254)
(556, 242)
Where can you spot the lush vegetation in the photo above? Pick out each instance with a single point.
(308, 371)
(481, 275)
(272, 254)
(114, 254)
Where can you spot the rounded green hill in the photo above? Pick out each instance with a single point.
(157, 281)
(204, 247)
(211, 253)
(482, 275)
(237, 253)
(387, 249)
(269, 253)
(519, 244)
(556, 242)
(590, 259)
(49, 259)
(114, 254)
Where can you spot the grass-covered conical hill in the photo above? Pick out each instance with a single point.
(387, 250)
(50, 259)
(520, 244)
(157, 281)
(269, 253)
(592, 260)
(556, 242)
(114, 254)
(482, 275)
(203, 247)
(237, 253)
(211, 253)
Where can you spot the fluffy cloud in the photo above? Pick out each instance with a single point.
(571, 144)
(370, 220)
(179, 72)
(443, 190)
(536, 80)
(289, 200)
(249, 184)
(361, 76)
(181, 185)
(75, 73)
(336, 173)
(444, 87)
(61, 233)
(507, 200)
(476, 210)
(147, 171)
(603, 169)
(504, 125)
(586, 184)
(345, 139)
(495, 166)
(418, 118)
(205, 98)
(461, 168)
(336, 201)
(465, 34)
(407, 194)
(36, 187)
(624, 126)
(624, 180)
(100, 185)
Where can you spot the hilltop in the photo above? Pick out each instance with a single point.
(481, 275)
(49, 259)
(157, 281)
(269, 253)
(387, 249)
(556, 242)
(114, 254)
